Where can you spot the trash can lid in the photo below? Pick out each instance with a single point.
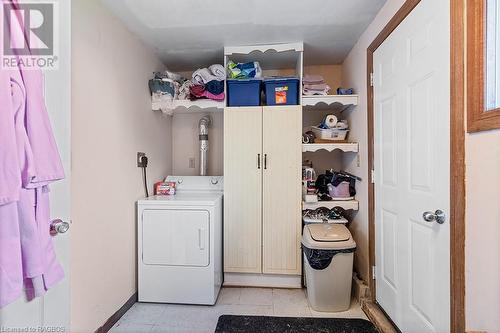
(327, 236)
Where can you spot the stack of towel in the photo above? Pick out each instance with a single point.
(315, 85)
(168, 86)
(206, 83)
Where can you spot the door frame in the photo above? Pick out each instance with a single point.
(457, 155)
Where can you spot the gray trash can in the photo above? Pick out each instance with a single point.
(328, 258)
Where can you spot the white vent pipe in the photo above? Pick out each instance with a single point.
(203, 125)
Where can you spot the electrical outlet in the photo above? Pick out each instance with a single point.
(140, 164)
(358, 162)
(191, 163)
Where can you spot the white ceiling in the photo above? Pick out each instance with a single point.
(188, 34)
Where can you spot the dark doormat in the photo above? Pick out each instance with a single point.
(262, 324)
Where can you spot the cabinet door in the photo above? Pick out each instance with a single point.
(242, 189)
(282, 148)
(175, 237)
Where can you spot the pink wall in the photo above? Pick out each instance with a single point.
(111, 121)
(482, 237)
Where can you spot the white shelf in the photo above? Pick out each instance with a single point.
(338, 102)
(297, 47)
(345, 147)
(346, 204)
(181, 106)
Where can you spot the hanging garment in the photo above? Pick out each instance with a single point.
(30, 161)
(11, 278)
(27, 256)
(10, 178)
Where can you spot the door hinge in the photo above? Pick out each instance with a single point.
(371, 79)
(373, 176)
(374, 273)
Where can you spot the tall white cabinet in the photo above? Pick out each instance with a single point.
(263, 173)
(262, 194)
(281, 189)
(243, 163)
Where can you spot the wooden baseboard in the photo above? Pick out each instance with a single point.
(378, 317)
(117, 315)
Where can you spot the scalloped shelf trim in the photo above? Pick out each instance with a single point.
(330, 100)
(346, 204)
(350, 147)
(297, 47)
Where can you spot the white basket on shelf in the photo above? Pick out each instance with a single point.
(330, 133)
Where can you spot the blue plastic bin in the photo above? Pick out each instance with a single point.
(245, 92)
(282, 90)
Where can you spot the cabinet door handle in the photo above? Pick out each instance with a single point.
(258, 161)
(201, 239)
(265, 161)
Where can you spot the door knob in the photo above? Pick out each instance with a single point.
(439, 216)
(58, 226)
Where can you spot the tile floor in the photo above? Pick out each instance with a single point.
(166, 318)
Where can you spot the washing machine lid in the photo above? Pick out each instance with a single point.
(327, 236)
(185, 198)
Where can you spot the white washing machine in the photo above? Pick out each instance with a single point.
(180, 243)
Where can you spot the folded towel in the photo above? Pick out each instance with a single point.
(197, 90)
(218, 71)
(216, 97)
(312, 79)
(321, 86)
(316, 89)
(215, 87)
(203, 75)
(311, 93)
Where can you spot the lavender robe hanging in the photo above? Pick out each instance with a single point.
(29, 162)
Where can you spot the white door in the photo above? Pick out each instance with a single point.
(243, 163)
(52, 311)
(175, 237)
(412, 170)
(282, 191)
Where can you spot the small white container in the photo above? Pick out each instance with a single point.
(330, 133)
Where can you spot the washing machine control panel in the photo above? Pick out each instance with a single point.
(197, 183)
